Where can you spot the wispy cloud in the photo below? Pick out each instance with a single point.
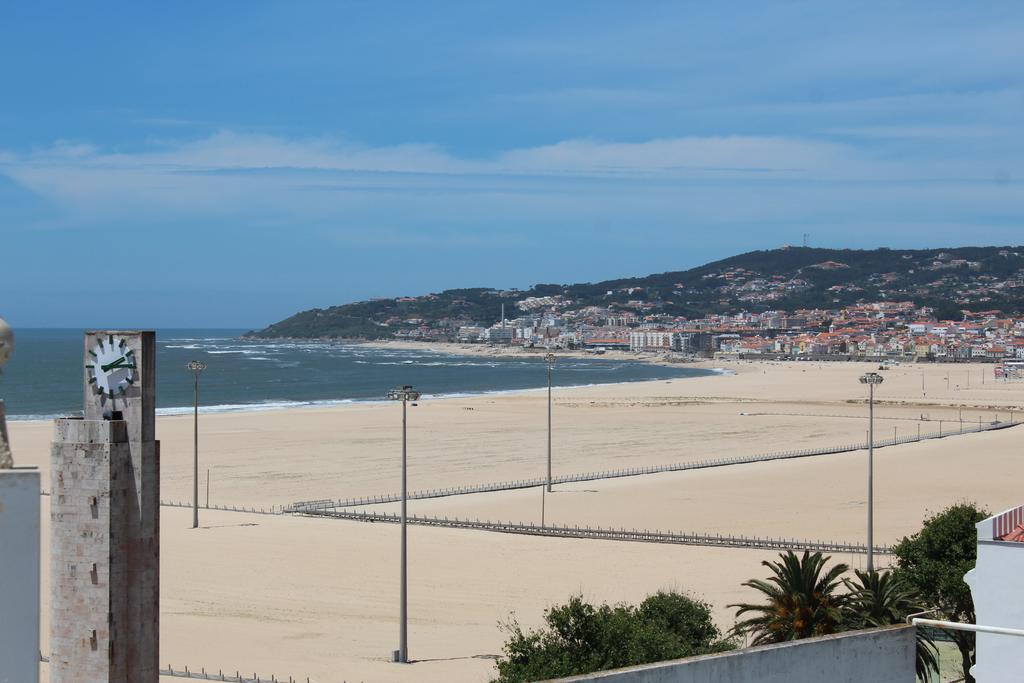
(713, 179)
(935, 131)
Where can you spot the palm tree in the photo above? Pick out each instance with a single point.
(880, 599)
(802, 600)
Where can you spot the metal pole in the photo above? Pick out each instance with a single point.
(403, 647)
(957, 626)
(207, 488)
(871, 474)
(195, 458)
(549, 428)
(543, 501)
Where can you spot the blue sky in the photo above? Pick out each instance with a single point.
(228, 164)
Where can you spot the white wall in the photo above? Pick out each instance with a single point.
(19, 575)
(995, 585)
(884, 655)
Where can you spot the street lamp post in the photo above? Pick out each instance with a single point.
(196, 367)
(871, 379)
(404, 394)
(549, 359)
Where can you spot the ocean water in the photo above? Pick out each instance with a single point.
(44, 376)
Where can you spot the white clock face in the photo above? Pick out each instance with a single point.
(111, 366)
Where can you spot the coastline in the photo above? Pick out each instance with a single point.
(448, 348)
(487, 351)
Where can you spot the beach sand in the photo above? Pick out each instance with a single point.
(317, 597)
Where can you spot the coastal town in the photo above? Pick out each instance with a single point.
(878, 330)
(946, 305)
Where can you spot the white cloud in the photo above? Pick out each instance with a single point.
(686, 179)
(230, 153)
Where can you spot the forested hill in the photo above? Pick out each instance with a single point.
(949, 280)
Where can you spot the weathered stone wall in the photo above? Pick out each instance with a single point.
(104, 557)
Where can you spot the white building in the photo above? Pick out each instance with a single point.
(501, 335)
(995, 588)
(653, 340)
(471, 333)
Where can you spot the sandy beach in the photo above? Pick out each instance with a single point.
(313, 597)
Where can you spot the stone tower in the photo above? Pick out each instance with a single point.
(105, 519)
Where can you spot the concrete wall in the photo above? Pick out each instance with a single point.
(995, 588)
(883, 655)
(19, 575)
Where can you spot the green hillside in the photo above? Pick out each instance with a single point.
(949, 280)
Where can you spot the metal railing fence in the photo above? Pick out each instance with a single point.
(237, 677)
(326, 504)
(621, 534)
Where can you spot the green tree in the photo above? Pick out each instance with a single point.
(802, 600)
(933, 562)
(580, 638)
(881, 599)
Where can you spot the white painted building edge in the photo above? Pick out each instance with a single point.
(995, 588)
(19, 575)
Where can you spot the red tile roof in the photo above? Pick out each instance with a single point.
(1016, 535)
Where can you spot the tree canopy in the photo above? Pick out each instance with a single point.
(802, 600)
(580, 638)
(933, 562)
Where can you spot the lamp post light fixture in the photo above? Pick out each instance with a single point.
(871, 379)
(404, 394)
(549, 359)
(196, 367)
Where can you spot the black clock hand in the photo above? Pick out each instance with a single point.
(119, 363)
